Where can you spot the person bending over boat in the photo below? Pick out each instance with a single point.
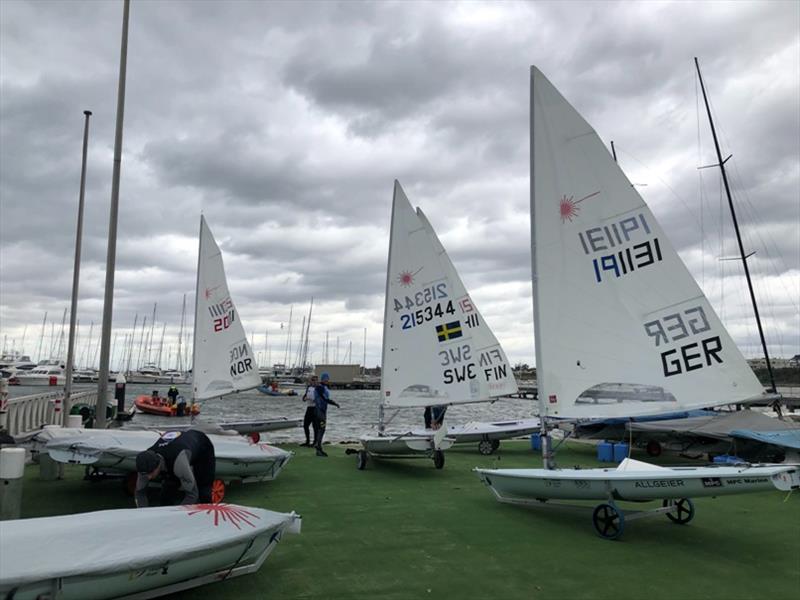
(182, 459)
(322, 399)
(310, 398)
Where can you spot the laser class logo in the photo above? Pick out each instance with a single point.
(406, 278)
(226, 513)
(569, 208)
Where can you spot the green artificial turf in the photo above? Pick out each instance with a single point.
(402, 529)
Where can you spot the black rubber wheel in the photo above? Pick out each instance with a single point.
(486, 447)
(609, 523)
(683, 513)
(495, 444)
(438, 459)
(361, 460)
(653, 448)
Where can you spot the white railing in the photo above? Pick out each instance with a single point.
(27, 414)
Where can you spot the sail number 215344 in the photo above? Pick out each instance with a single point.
(421, 298)
(423, 315)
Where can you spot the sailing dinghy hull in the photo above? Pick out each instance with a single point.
(165, 549)
(404, 446)
(480, 433)
(237, 459)
(636, 481)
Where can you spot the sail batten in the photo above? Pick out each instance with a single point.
(437, 347)
(627, 330)
(223, 359)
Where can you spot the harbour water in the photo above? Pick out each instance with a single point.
(358, 413)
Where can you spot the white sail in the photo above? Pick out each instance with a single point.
(437, 349)
(223, 359)
(622, 328)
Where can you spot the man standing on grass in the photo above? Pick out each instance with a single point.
(323, 398)
(310, 398)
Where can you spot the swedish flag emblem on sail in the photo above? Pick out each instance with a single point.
(449, 331)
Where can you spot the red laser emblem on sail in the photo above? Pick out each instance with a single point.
(569, 208)
(406, 278)
(226, 512)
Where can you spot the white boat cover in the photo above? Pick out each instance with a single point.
(113, 541)
(127, 444)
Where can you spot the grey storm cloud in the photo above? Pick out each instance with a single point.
(285, 124)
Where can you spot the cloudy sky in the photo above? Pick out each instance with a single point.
(286, 124)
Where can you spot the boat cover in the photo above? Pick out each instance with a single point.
(113, 541)
(789, 438)
(719, 426)
(129, 443)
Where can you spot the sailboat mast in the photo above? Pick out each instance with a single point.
(180, 334)
(547, 458)
(721, 165)
(76, 270)
(130, 349)
(196, 304)
(381, 425)
(111, 257)
(41, 337)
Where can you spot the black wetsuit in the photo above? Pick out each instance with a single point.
(309, 417)
(188, 462)
(321, 415)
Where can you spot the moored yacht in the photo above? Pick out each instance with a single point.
(47, 372)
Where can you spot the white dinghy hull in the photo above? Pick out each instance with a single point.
(481, 433)
(636, 481)
(236, 457)
(136, 553)
(404, 446)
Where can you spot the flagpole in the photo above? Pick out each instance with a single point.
(108, 301)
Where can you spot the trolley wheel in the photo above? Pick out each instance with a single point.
(486, 447)
(217, 491)
(609, 522)
(683, 513)
(361, 460)
(254, 436)
(438, 459)
(129, 483)
(653, 448)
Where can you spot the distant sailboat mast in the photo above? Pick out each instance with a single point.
(721, 165)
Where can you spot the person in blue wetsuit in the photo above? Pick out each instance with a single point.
(183, 460)
(323, 398)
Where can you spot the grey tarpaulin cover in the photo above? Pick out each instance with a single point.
(718, 426)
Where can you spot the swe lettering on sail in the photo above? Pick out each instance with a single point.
(686, 357)
(461, 367)
(240, 360)
(625, 256)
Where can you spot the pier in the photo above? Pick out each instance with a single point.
(28, 414)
